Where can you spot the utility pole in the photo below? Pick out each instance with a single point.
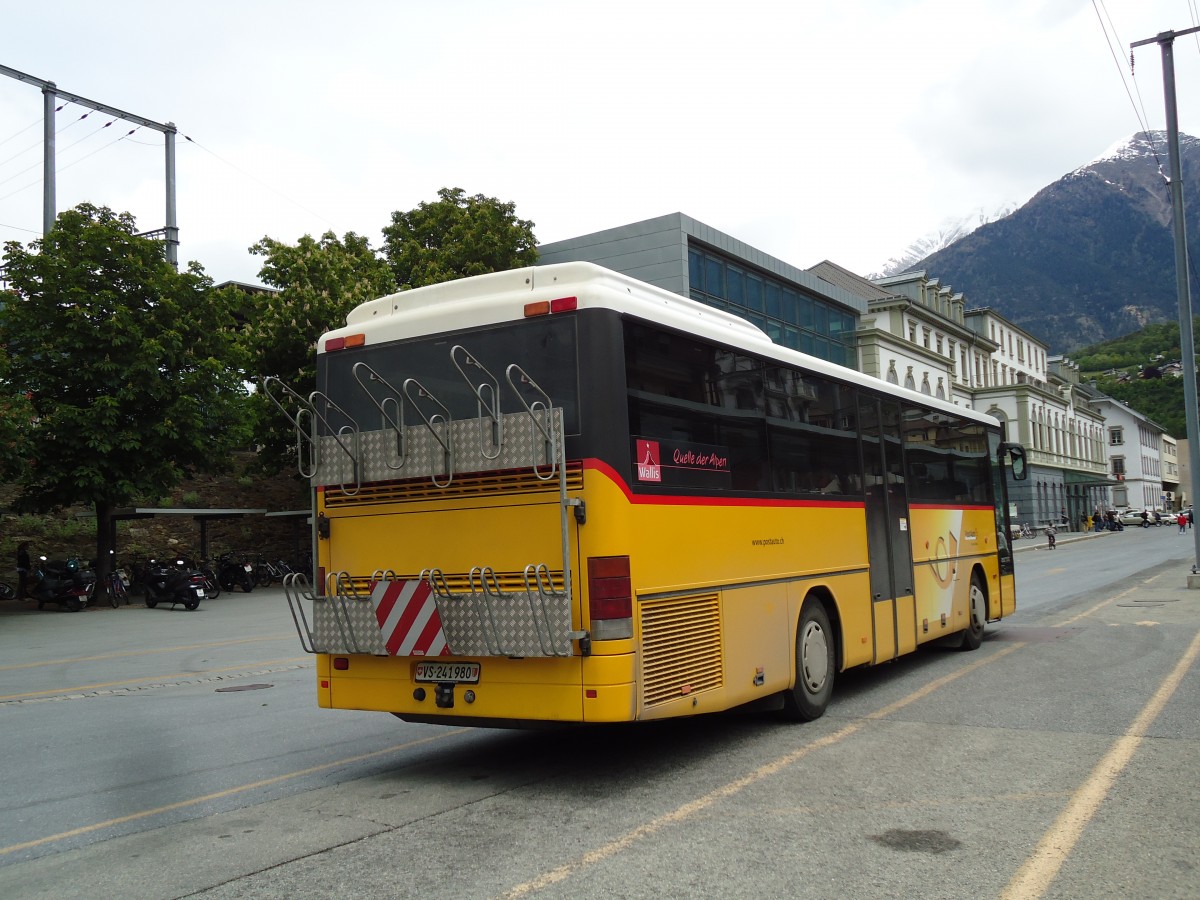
(1165, 41)
(50, 94)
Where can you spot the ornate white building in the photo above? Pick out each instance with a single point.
(919, 333)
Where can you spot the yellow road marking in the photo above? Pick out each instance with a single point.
(122, 654)
(1040, 869)
(1108, 600)
(690, 809)
(148, 678)
(228, 792)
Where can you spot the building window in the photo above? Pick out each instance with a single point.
(1116, 437)
(1118, 465)
(790, 317)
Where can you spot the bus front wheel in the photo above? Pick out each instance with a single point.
(816, 664)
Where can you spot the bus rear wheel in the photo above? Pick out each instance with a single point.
(816, 664)
(972, 638)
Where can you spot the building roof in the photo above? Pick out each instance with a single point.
(834, 274)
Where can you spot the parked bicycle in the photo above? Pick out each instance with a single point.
(118, 588)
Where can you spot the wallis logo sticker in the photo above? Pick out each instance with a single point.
(648, 465)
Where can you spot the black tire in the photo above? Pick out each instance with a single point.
(972, 637)
(247, 582)
(212, 587)
(151, 602)
(191, 604)
(6, 591)
(816, 664)
(114, 597)
(226, 580)
(73, 604)
(262, 577)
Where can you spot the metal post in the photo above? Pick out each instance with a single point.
(1165, 41)
(49, 200)
(172, 229)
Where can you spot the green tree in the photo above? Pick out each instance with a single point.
(318, 282)
(123, 361)
(457, 236)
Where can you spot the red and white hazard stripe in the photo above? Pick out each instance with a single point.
(408, 618)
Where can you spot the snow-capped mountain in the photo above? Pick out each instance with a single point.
(1089, 257)
(949, 231)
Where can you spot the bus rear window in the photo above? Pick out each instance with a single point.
(544, 348)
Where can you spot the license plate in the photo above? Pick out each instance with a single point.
(199, 593)
(459, 673)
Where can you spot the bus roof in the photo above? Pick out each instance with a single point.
(500, 297)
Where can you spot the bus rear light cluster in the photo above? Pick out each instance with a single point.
(610, 598)
(548, 307)
(345, 343)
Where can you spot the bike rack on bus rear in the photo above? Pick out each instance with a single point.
(483, 619)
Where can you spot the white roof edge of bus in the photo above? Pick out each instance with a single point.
(500, 297)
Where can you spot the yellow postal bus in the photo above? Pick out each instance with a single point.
(558, 494)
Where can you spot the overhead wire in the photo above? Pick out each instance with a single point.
(74, 163)
(253, 178)
(38, 142)
(87, 136)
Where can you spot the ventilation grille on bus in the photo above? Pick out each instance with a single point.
(681, 648)
(476, 484)
(459, 582)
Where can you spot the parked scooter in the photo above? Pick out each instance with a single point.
(235, 572)
(176, 583)
(65, 584)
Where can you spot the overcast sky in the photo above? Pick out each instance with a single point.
(839, 130)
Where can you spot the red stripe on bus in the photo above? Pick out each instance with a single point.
(980, 506)
(610, 473)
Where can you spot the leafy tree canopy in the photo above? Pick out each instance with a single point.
(124, 363)
(457, 236)
(318, 282)
(1160, 398)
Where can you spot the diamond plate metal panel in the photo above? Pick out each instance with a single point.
(476, 624)
(468, 444)
(517, 624)
(346, 625)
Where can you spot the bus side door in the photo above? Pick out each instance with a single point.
(889, 540)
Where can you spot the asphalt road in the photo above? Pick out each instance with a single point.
(160, 753)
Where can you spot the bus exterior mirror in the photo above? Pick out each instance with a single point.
(1016, 454)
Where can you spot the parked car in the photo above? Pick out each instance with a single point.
(1134, 517)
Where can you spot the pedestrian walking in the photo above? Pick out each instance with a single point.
(1182, 520)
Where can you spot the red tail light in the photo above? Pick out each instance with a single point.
(610, 594)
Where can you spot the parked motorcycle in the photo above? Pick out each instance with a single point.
(173, 583)
(233, 572)
(65, 584)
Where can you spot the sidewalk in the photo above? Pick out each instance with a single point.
(1064, 537)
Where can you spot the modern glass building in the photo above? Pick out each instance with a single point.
(794, 307)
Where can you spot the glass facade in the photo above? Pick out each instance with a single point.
(790, 316)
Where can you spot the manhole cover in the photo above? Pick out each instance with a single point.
(244, 687)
